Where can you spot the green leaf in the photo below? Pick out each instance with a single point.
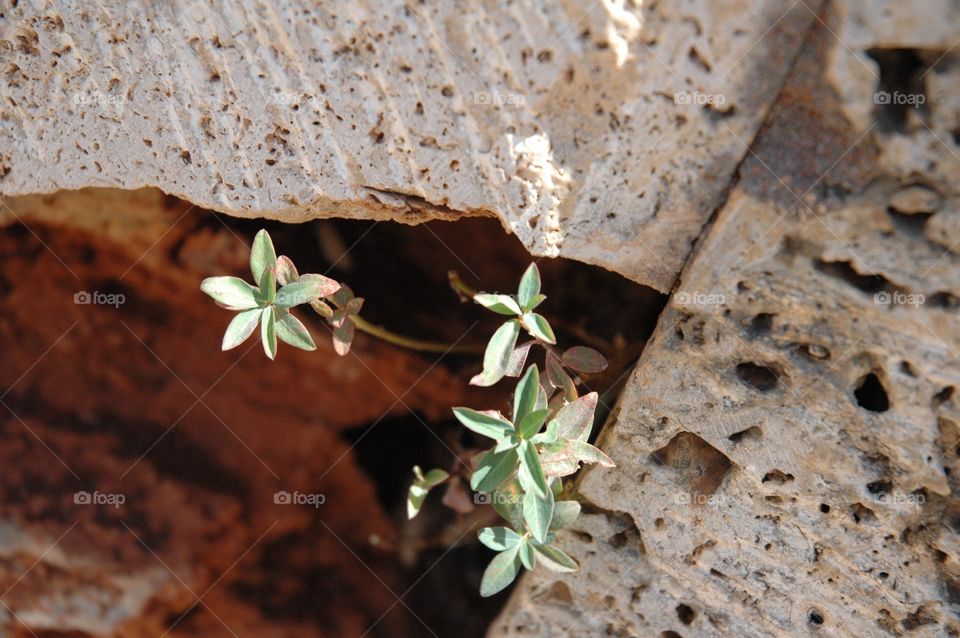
(507, 500)
(342, 296)
(416, 495)
(536, 301)
(532, 423)
(564, 513)
(587, 453)
(421, 487)
(231, 293)
(528, 557)
(343, 337)
(548, 436)
(492, 470)
(435, 477)
(268, 331)
(575, 420)
(538, 327)
(324, 285)
(557, 460)
(268, 287)
(240, 328)
(537, 513)
(262, 254)
(338, 317)
(290, 330)
(500, 572)
(556, 559)
(502, 304)
(584, 359)
(518, 358)
(496, 358)
(490, 426)
(564, 457)
(556, 486)
(525, 396)
(529, 287)
(322, 308)
(508, 442)
(532, 477)
(296, 293)
(559, 378)
(354, 305)
(541, 398)
(499, 538)
(286, 271)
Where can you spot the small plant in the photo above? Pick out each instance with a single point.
(543, 440)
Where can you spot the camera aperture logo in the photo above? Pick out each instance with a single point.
(899, 99)
(98, 498)
(496, 498)
(299, 498)
(97, 298)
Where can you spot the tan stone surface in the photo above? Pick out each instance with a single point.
(561, 119)
(765, 485)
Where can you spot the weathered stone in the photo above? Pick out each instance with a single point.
(787, 448)
(137, 400)
(607, 133)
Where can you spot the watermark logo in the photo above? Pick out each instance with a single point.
(899, 99)
(899, 498)
(97, 298)
(299, 498)
(92, 96)
(693, 298)
(99, 98)
(895, 298)
(496, 498)
(500, 99)
(698, 498)
(98, 498)
(293, 98)
(699, 99)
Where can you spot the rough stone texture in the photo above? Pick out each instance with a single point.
(787, 448)
(98, 398)
(561, 120)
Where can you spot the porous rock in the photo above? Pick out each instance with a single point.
(606, 133)
(787, 447)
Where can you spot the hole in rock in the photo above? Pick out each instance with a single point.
(815, 617)
(685, 613)
(696, 466)
(844, 271)
(901, 86)
(761, 324)
(761, 377)
(777, 476)
(753, 433)
(879, 487)
(112, 390)
(943, 396)
(871, 395)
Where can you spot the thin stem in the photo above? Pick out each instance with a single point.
(465, 292)
(409, 342)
